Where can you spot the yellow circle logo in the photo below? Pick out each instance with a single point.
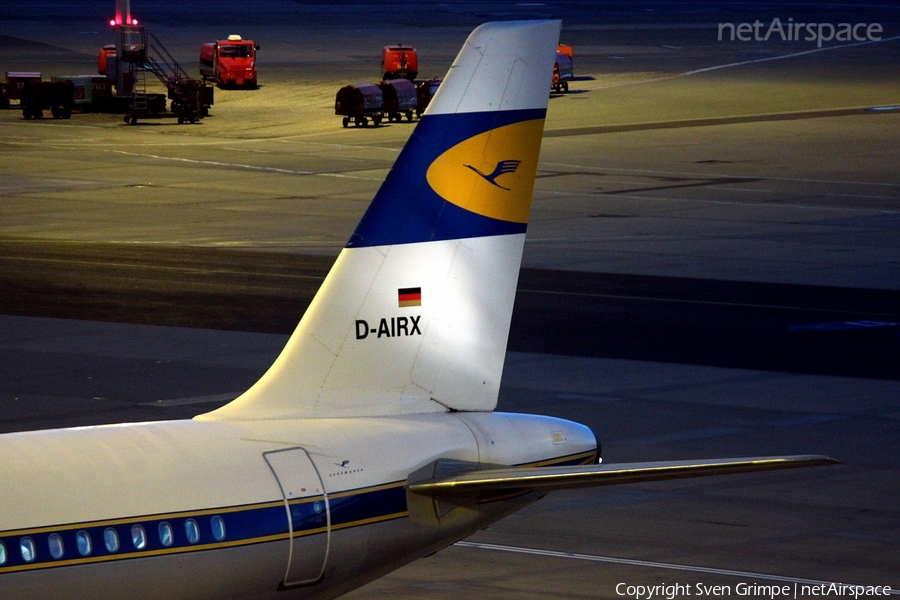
(492, 173)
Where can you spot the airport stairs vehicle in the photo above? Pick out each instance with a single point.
(191, 98)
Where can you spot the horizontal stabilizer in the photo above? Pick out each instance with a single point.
(545, 479)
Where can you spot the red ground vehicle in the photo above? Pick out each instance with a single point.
(563, 70)
(103, 57)
(230, 62)
(399, 62)
(396, 96)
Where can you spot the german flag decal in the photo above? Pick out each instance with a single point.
(409, 297)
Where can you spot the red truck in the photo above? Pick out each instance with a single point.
(230, 62)
(399, 62)
(563, 71)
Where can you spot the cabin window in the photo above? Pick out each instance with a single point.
(55, 543)
(192, 530)
(218, 528)
(2, 553)
(29, 552)
(138, 537)
(166, 537)
(83, 539)
(111, 539)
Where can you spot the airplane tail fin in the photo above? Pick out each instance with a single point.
(414, 315)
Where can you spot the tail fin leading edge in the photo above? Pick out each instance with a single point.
(414, 315)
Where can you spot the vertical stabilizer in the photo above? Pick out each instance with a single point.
(414, 315)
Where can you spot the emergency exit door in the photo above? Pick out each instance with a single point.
(309, 519)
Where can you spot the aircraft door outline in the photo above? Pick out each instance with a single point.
(306, 503)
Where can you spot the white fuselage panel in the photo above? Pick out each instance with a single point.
(307, 505)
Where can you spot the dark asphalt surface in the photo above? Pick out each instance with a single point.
(793, 328)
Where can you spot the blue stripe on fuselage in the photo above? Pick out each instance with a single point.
(406, 210)
(244, 525)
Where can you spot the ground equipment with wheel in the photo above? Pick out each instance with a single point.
(359, 103)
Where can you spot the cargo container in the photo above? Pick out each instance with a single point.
(84, 90)
(101, 87)
(14, 86)
(562, 72)
(230, 62)
(425, 91)
(399, 98)
(399, 62)
(358, 103)
(57, 96)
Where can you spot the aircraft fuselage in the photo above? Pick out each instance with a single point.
(261, 509)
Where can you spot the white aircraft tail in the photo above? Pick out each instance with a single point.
(414, 315)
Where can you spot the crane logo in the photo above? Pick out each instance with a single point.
(503, 167)
(506, 157)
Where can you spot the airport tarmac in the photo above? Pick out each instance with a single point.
(773, 170)
(675, 155)
(832, 524)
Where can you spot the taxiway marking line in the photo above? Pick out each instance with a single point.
(214, 163)
(694, 301)
(749, 203)
(744, 63)
(791, 55)
(722, 176)
(650, 564)
(138, 266)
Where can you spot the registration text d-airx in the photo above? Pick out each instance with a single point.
(389, 327)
